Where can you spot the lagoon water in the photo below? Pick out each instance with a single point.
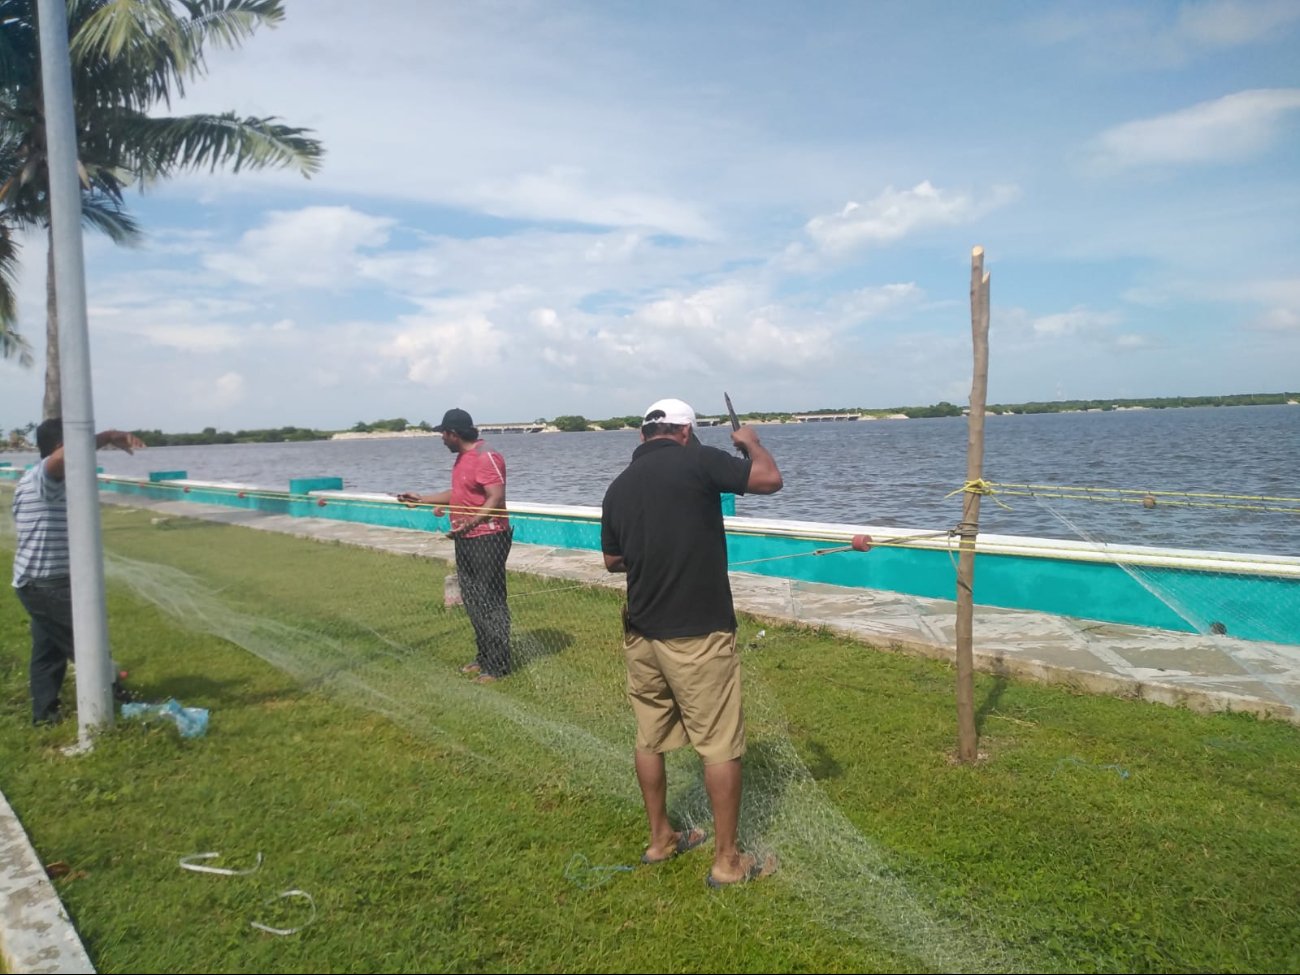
(889, 473)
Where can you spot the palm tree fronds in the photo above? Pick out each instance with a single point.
(109, 217)
(227, 23)
(164, 145)
(9, 251)
(116, 29)
(14, 346)
(17, 45)
(129, 52)
(160, 48)
(130, 58)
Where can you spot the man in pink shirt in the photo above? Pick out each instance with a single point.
(482, 532)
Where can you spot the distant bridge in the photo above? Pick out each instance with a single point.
(511, 427)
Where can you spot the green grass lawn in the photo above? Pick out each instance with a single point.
(444, 826)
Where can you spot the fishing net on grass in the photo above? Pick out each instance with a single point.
(376, 630)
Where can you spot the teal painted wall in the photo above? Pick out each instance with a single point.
(1251, 607)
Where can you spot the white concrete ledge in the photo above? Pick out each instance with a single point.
(36, 934)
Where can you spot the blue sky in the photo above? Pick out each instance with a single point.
(530, 209)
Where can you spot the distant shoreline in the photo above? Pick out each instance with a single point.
(213, 437)
(792, 419)
(382, 434)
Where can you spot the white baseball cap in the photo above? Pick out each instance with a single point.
(671, 411)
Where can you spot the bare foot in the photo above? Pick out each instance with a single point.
(681, 843)
(748, 867)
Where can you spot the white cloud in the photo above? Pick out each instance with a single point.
(174, 240)
(1232, 23)
(895, 214)
(1230, 128)
(561, 265)
(704, 311)
(315, 247)
(188, 324)
(1284, 291)
(596, 205)
(547, 321)
(569, 193)
(189, 337)
(1057, 26)
(129, 301)
(1279, 320)
(1076, 321)
(867, 303)
(446, 337)
(1147, 296)
(562, 360)
(727, 327)
(1141, 37)
(1277, 301)
(228, 390)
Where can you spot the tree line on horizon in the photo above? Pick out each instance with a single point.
(18, 437)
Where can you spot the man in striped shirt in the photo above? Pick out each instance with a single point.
(41, 564)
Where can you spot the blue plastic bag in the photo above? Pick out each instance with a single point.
(191, 722)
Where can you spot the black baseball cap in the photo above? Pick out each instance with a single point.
(455, 421)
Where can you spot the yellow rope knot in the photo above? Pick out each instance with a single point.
(982, 487)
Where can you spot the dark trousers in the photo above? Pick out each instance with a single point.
(481, 567)
(49, 604)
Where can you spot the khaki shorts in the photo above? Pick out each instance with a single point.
(686, 691)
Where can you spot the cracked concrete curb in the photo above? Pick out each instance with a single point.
(36, 934)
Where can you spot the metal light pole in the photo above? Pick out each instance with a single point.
(89, 619)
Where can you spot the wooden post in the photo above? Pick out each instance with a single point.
(967, 741)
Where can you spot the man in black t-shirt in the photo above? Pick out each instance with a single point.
(661, 523)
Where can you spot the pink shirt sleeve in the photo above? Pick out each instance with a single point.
(491, 468)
